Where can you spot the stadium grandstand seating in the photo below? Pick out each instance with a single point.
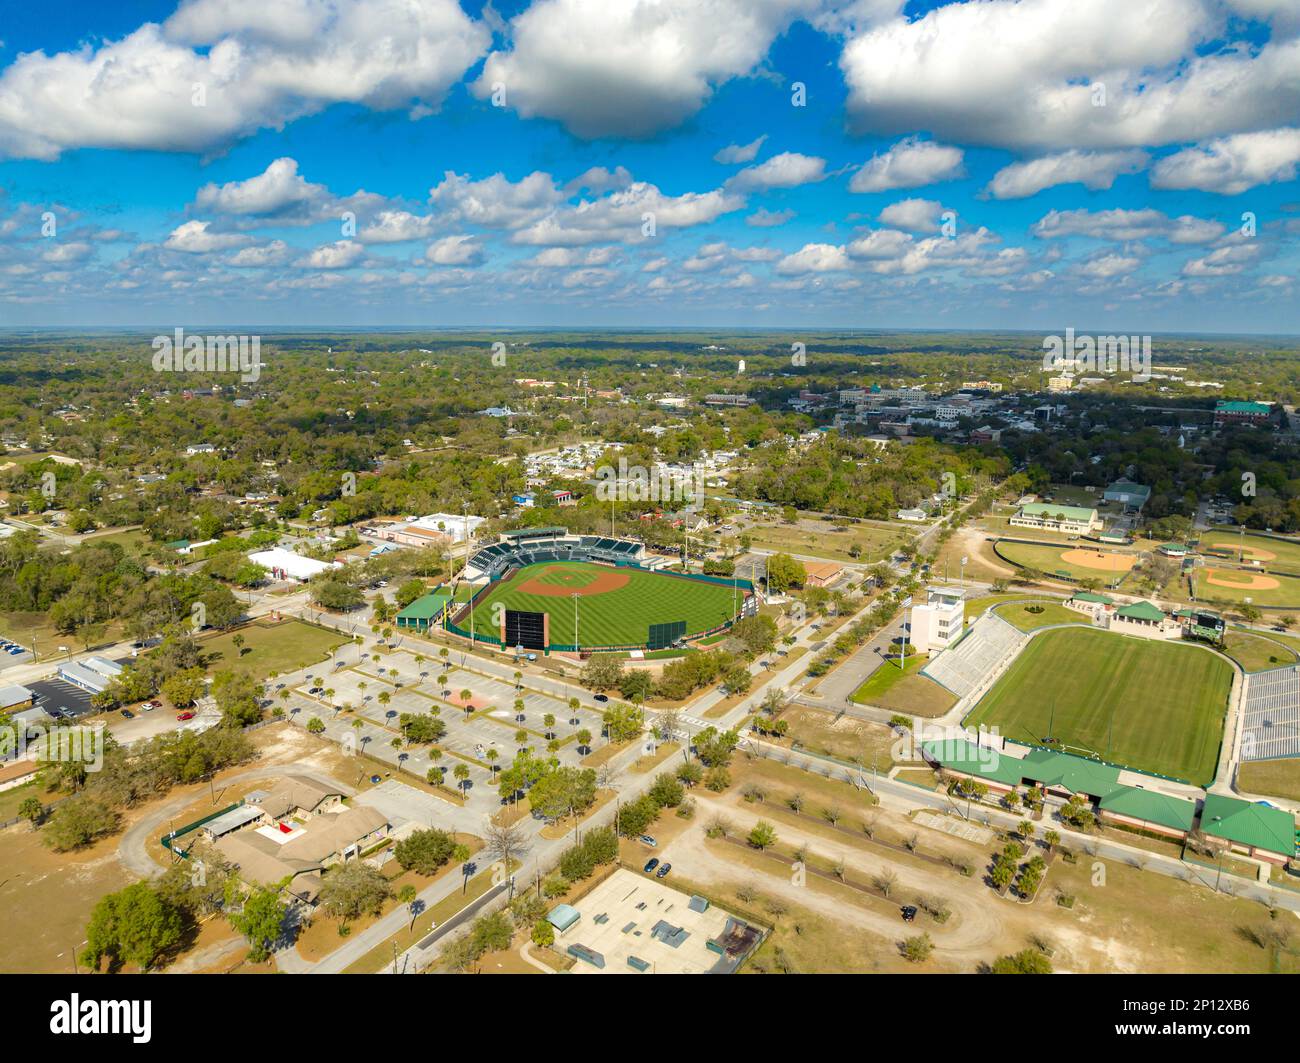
(1271, 714)
(553, 544)
(989, 643)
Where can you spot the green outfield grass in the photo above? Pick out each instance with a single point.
(1285, 595)
(1048, 560)
(1286, 552)
(619, 617)
(1155, 706)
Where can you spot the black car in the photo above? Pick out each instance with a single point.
(602, 698)
(909, 913)
(663, 870)
(651, 864)
(127, 714)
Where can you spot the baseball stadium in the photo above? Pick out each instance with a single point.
(544, 589)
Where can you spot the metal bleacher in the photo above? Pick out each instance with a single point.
(989, 643)
(1271, 714)
(494, 560)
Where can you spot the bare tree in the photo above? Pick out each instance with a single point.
(507, 843)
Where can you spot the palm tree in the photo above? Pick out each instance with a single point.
(519, 680)
(492, 755)
(461, 855)
(521, 737)
(465, 696)
(461, 771)
(574, 705)
(406, 895)
(584, 739)
(548, 721)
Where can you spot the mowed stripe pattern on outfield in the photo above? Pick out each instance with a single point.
(619, 617)
(1157, 706)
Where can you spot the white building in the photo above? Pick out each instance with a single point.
(940, 620)
(285, 564)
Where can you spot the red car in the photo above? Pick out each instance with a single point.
(185, 716)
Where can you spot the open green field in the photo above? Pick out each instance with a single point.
(1079, 560)
(905, 690)
(874, 543)
(1257, 653)
(1021, 615)
(1155, 706)
(615, 606)
(270, 648)
(1272, 778)
(1277, 555)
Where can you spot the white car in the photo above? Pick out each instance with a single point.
(149, 706)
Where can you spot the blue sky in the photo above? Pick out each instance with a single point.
(1028, 164)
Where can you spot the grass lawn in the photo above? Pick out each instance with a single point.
(1272, 778)
(905, 690)
(617, 616)
(1157, 706)
(1256, 653)
(270, 648)
(874, 544)
(844, 737)
(1019, 615)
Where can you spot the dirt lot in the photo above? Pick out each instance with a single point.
(1123, 919)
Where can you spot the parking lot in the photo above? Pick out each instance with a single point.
(55, 695)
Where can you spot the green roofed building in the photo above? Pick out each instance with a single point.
(425, 612)
(1256, 830)
(1065, 775)
(1151, 811)
(1074, 520)
(1231, 412)
(1141, 613)
(1091, 596)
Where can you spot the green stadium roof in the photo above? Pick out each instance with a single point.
(1051, 509)
(1150, 807)
(1142, 611)
(982, 761)
(426, 607)
(1076, 774)
(1258, 826)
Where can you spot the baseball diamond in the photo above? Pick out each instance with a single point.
(614, 607)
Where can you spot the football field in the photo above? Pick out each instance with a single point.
(1155, 706)
(610, 606)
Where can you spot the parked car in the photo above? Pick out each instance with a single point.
(601, 698)
(651, 864)
(183, 716)
(127, 714)
(663, 870)
(646, 839)
(149, 706)
(909, 912)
